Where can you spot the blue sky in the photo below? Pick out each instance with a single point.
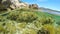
(52, 4)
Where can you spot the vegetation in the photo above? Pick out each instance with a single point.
(25, 21)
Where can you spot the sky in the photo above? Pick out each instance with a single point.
(51, 4)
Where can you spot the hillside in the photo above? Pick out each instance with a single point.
(21, 18)
(23, 21)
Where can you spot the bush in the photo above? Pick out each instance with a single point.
(13, 15)
(2, 19)
(7, 27)
(27, 17)
(58, 22)
(46, 20)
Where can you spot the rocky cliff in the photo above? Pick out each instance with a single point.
(12, 4)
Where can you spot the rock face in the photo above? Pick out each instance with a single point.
(12, 4)
(24, 5)
(34, 6)
(4, 4)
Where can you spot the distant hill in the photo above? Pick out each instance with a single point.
(49, 10)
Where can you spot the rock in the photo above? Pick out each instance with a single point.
(12, 7)
(12, 4)
(24, 5)
(9, 4)
(15, 3)
(34, 6)
(4, 4)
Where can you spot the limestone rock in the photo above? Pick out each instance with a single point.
(12, 4)
(15, 3)
(22, 5)
(4, 4)
(34, 6)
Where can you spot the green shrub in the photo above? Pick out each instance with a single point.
(27, 17)
(13, 15)
(46, 20)
(2, 19)
(58, 22)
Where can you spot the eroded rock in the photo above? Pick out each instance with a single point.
(12, 4)
(33, 6)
